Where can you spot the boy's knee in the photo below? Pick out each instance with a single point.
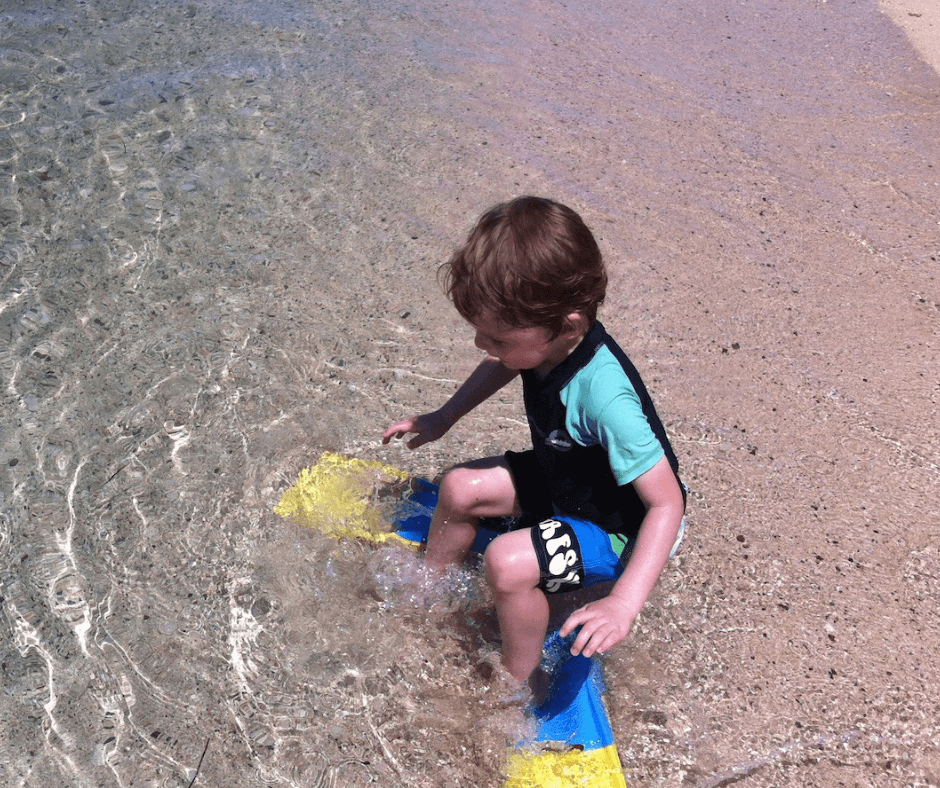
(456, 490)
(498, 568)
(470, 490)
(509, 569)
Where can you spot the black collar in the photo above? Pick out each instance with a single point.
(559, 377)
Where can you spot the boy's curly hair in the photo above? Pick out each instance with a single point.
(529, 262)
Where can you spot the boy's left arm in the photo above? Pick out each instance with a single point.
(607, 621)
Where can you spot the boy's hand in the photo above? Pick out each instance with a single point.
(603, 623)
(427, 427)
(607, 621)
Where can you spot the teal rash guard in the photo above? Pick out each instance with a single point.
(594, 431)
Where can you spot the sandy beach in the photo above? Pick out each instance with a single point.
(220, 224)
(920, 20)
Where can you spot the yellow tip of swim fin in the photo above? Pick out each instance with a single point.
(337, 496)
(565, 769)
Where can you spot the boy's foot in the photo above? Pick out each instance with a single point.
(504, 708)
(539, 683)
(504, 689)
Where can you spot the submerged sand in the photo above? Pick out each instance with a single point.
(220, 228)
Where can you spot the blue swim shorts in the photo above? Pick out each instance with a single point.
(575, 553)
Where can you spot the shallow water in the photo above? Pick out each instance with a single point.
(220, 225)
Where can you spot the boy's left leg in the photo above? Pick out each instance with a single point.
(512, 569)
(469, 491)
(558, 556)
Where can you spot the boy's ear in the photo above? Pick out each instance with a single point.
(577, 324)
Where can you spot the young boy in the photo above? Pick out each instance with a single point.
(529, 281)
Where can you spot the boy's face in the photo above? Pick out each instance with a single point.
(524, 348)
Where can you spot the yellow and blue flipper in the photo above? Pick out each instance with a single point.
(572, 723)
(574, 743)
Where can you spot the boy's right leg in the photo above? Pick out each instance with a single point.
(513, 572)
(482, 488)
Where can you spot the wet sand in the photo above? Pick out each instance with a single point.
(220, 226)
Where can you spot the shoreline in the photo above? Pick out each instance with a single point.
(920, 22)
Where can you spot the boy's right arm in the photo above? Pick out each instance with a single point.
(484, 381)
